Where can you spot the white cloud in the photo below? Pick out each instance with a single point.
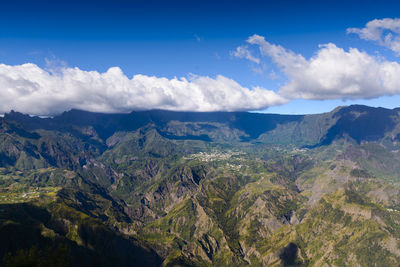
(332, 73)
(384, 31)
(243, 52)
(28, 88)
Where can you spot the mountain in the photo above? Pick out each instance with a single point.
(153, 188)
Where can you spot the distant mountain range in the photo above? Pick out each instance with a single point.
(153, 188)
(354, 121)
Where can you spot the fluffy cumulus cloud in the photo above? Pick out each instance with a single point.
(243, 52)
(332, 73)
(384, 31)
(30, 89)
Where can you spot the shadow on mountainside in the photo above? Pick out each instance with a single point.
(32, 236)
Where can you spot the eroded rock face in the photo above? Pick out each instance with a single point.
(237, 189)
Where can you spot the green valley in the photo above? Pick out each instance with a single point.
(161, 188)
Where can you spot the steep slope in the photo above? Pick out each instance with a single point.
(201, 189)
(50, 233)
(362, 123)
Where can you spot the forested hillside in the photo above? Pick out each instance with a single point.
(153, 188)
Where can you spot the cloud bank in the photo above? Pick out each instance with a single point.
(383, 31)
(30, 89)
(332, 73)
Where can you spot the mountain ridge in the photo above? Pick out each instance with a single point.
(252, 125)
(200, 189)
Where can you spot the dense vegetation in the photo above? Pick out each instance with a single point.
(165, 188)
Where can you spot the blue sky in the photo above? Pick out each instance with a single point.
(181, 38)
